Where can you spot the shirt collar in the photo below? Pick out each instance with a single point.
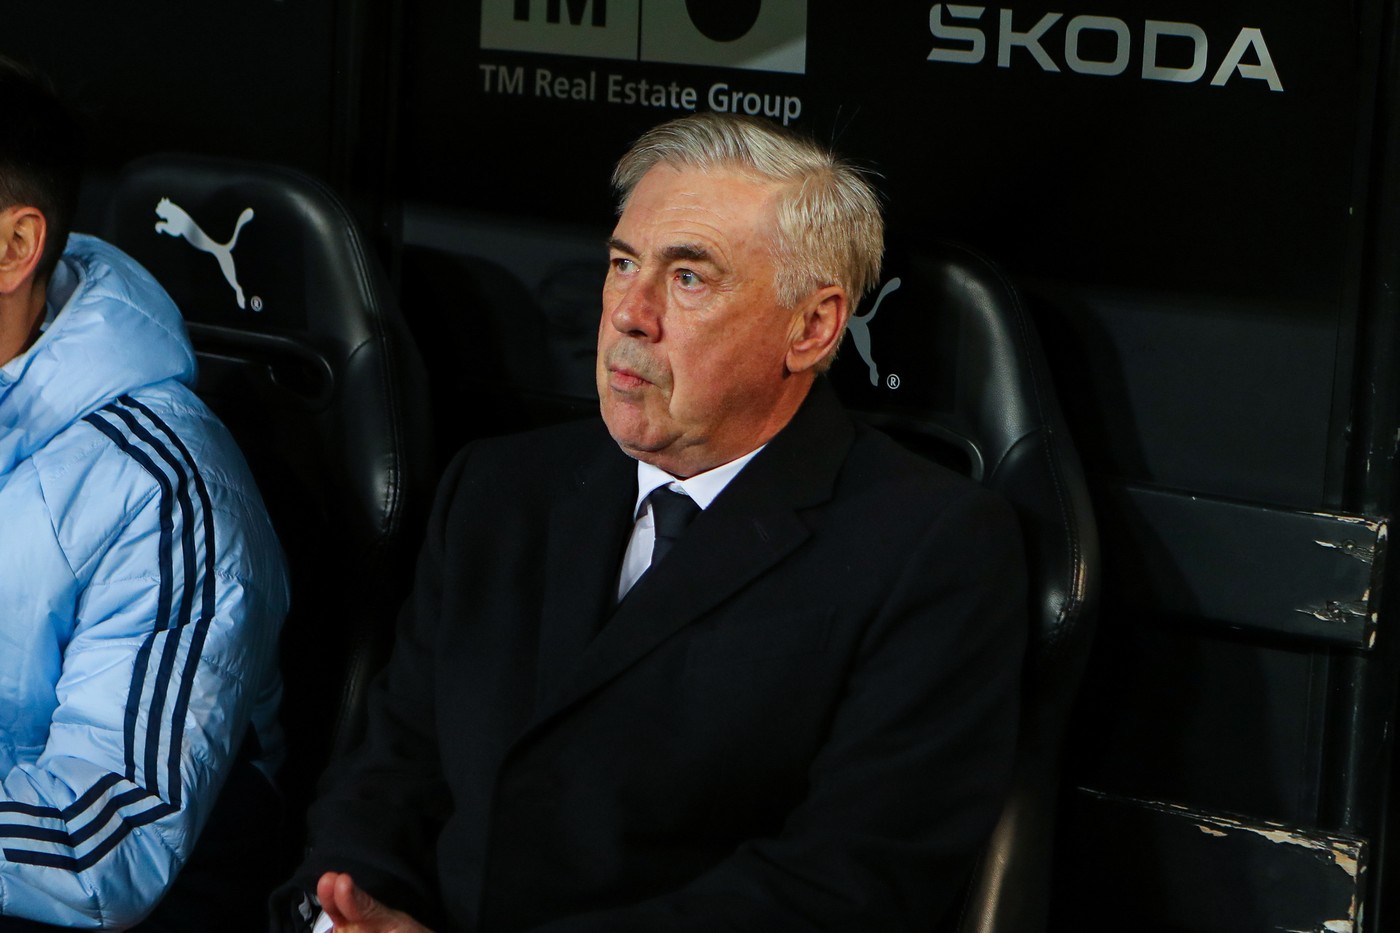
(704, 488)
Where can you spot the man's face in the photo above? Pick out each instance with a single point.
(692, 343)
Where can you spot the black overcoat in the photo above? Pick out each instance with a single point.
(802, 720)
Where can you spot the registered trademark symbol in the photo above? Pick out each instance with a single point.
(892, 380)
(257, 303)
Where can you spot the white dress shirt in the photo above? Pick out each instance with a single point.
(703, 488)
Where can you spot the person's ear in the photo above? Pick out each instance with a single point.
(817, 327)
(23, 233)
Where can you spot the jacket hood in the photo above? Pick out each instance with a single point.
(116, 331)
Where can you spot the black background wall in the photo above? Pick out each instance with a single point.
(1199, 196)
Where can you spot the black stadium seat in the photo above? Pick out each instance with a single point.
(305, 357)
(947, 360)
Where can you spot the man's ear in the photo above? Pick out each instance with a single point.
(23, 233)
(817, 328)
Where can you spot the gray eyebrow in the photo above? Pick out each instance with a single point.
(690, 252)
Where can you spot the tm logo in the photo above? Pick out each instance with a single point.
(756, 35)
(859, 328)
(175, 221)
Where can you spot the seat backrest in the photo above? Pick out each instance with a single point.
(946, 359)
(525, 298)
(304, 356)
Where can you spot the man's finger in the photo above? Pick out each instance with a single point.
(325, 893)
(354, 910)
(365, 907)
(339, 896)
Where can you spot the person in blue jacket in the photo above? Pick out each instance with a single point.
(141, 585)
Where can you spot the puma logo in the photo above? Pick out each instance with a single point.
(859, 326)
(177, 223)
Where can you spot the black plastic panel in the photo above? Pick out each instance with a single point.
(1228, 874)
(1195, 716)
(1306, 575)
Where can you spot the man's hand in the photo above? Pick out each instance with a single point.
(354, 911)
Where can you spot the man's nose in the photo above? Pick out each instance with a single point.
(637, 312)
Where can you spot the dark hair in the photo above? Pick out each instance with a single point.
(40, 158)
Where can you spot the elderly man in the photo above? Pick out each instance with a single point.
(791, 709)
(141, 586)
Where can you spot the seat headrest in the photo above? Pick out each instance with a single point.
(252, 247)
(303, 353)
(946, 344)
(946, 349)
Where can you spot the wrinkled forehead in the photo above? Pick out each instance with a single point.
(733, 201)
(724, 219)
(738, 171)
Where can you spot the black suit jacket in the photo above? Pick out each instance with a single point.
(803, 719)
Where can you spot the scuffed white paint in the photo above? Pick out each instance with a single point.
(1345, 853)
(1375, 527)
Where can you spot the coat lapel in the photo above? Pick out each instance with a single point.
(588, 530)
(745, 533)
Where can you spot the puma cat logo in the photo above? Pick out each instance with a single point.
(177, 223)
(859, 326)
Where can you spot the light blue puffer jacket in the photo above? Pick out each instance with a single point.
(141, 594)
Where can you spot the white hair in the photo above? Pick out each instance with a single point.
(829, 228)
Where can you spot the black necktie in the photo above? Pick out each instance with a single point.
(671, 512)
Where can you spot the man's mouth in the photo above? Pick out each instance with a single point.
(623, 378)
(625, 373)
